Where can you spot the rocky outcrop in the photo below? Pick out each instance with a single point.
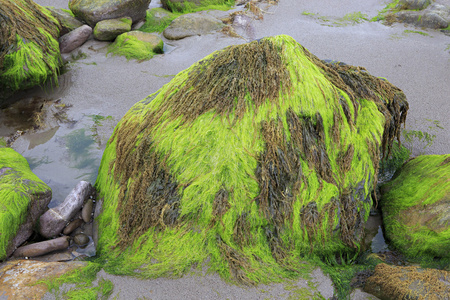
(250, 157)
(416, 207)
(394, 282)
(94, 11)
(137, 45)
(108, 30)
(20, 278)
(23, 198)
(192, 24)
(29, 54)
(75, 38)
(52, 222)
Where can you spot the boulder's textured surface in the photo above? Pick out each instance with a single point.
(23, 198)
(416, 206)
(108, 30)
(29, 52)
(66, 19)
(137, 45)
(19, 278)
(93, 11)
(192, 24)
(74, 39)
(252, 156)
(394, 282)
(434, 16)
(41, 248)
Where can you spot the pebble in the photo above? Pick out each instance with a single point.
(72, 226)
(81, 239)
(87, 210)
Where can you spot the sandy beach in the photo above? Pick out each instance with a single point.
(419, 64)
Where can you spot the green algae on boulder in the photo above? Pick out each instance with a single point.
(23, 198)
(29, 49)
(246, 161)
(416, 207)
(137, 45)
(195, 5)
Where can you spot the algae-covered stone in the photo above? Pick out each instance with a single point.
(29, 51)
(108, 30)
(66, 19)
(157, 20)
(192, 24)
(189, 5)
(416, 206)
(394, 282)
(93, 11)
(23, 198)
(137, 45)
(249, 159)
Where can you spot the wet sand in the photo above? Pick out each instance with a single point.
(109, 86)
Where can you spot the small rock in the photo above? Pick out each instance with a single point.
(81, 239)
(42, 248)
(53, 221)
(74, 39)
(87, 211)
(72, 226)
(108, 30)
(190, 25)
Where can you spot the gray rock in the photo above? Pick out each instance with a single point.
(72, 226)
(190, 25)
(81, 239)
(42, 248)
(108, 30)
(413, 4)
(435, 16)
(433, 20)
(93, 11)
(67, 21)
(74, 39)
(53, 221)
(18, 182)
(87, 211)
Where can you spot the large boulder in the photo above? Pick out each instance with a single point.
(249, 159)
(416, 207)
(394, 282)
(23, 198)
(29, 49)
(93, 11)
(192, 24)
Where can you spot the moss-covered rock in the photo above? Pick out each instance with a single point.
(93, 11)
(108, 30)
(246, 161)
(137, 45)
(394, 282)
(194, 5)
(23, 198)
(416, 207)
(29, 49)
(157, 20)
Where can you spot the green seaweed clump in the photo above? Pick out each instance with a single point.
(136, 45)
(29, 48)
(158, 19)
(416, 207)
(18, 185)
(245, 163)
(188, 6)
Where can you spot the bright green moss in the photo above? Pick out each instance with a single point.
(158, 19)
(188, 7)
(416, 207)
(132, 48)
(318, 142)
(30, 55)
(17, 186)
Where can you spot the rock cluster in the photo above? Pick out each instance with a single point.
(423, 13)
